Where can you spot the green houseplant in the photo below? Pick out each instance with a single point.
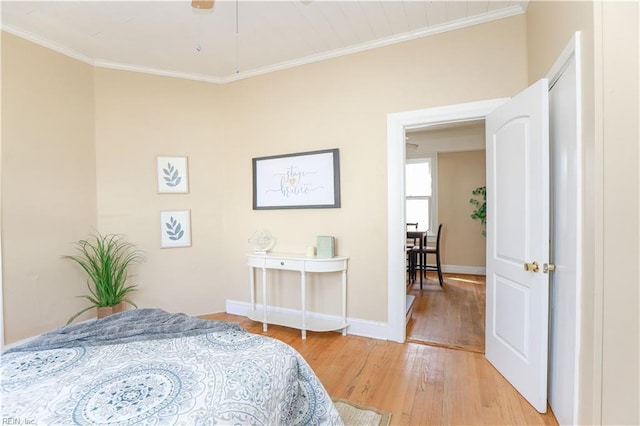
(106, 259)
(480, 205)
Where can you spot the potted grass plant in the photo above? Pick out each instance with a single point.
(106, 259)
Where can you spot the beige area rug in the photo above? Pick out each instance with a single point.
(357, 415)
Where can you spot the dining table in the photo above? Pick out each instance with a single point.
(412, 255)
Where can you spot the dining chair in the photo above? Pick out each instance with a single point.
(411, 254)
(423, 266)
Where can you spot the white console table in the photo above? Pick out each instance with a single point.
(302, 264)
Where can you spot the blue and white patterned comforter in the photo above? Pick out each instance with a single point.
(208, 373)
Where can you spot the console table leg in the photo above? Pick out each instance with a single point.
(303, 290)
(344, 301)
(253, 289)
(264, 300)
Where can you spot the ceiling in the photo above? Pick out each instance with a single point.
(440, 127)
(467, 135)
(219, 45)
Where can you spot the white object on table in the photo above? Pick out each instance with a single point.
(311, 251)
(296, 262)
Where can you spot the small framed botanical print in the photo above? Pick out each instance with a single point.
(175, 228)
(173, 175)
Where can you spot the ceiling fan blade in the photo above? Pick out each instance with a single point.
(202, 4)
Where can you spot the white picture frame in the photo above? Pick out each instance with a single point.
(173, 175)
(175, 228)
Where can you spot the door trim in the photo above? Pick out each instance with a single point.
(397, 124)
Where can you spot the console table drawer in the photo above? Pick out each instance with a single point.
(289, 264)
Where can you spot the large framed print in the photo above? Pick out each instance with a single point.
(305, 180)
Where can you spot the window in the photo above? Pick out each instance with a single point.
(420, 193)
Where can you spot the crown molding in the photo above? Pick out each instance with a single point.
(155, 71)
(48, 44)
(412, 35)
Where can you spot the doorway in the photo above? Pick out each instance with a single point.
(451, 315)
(398, 124)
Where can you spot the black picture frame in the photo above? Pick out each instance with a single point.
(303, 180)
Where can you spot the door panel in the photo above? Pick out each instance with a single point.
(510, 200)
(518, 233)
(511, 316)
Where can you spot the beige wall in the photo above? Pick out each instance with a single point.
(343, 103)
(620, 137)
(1, 286)
(48, 184)
(610, 330)
(139, 117)
(340, 103)
(462, 241)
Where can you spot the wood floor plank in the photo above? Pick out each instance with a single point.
(418, 384)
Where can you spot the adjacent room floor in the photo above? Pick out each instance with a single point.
(451, 315)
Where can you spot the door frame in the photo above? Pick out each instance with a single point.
(397, 124)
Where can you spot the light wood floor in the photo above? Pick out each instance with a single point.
(418, 384)
(452, 315)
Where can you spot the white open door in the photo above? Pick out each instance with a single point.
(518, 239)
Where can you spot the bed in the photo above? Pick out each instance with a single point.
(147, 366)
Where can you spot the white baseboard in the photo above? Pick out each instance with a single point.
(459, 269)
(409, 310)
(357, 327)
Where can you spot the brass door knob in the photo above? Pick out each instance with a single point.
(548, 267)
(531, 267)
